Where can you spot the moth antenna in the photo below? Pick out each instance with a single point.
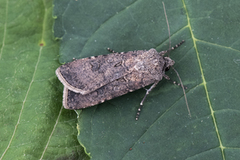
(183, 91)
(141, 104)
(168, 28)
(168, 56)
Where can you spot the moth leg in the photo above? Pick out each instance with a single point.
(176, 46)
(172, 48)
(141, 104)
(110, 50)
(145, 88)
(174, 82)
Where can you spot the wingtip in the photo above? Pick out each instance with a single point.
(66, 84)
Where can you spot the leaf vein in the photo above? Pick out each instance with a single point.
(204, 81)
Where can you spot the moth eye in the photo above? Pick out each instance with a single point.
(167, 69)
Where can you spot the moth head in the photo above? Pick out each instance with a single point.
(168, 63)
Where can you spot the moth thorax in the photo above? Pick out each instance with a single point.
(168, 62)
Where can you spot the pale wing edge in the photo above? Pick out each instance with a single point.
(77, 90)
(65, 94)
(67, 85)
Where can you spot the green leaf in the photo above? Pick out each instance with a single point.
(33, 123)
(208, 63)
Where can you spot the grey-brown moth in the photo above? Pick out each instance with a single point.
(93, 80)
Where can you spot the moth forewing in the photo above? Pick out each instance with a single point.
(137, 69)
(67, 84)
(88, 74)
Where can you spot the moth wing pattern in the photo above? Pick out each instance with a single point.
(142, 68)
(88, 74)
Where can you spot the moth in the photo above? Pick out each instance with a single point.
(93, 80)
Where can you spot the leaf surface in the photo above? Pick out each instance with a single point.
(208, 63)
(33, 123)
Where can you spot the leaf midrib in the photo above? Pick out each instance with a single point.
(204, 81)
